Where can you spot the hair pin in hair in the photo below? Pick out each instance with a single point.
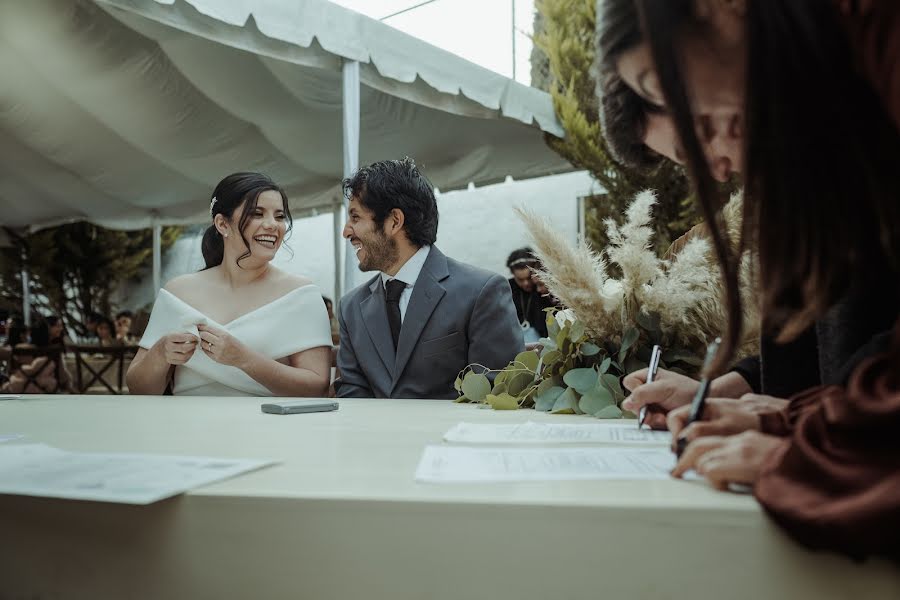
(523, 261)
(212, 203)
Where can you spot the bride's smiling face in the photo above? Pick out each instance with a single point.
(265, 227)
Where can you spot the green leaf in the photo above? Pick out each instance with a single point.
(502, 402)
(562, 337)
(589, 349)
(577, 331)
(552, 325)
(547, 345)
(630, 336)
(612, 384)
(604, 366)
(502, 376)
(581, 379)
(462, 399)
(552, 357)
(610, 412)
(544, 385)
(476, 386)
(518, 382)
(457, 385)
(499, 388)
(529, 359)
(566, 402)
(596, 400)
(544, 400)
(672, 356)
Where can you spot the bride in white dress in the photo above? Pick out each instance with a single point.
(239, 327)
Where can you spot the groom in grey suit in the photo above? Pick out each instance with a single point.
(412, 328)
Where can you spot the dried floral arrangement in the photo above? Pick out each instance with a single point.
(611, 324)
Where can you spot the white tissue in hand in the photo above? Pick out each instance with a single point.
(190, 326)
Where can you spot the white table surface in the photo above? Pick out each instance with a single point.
(342, 517)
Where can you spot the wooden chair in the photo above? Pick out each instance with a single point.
(106, 357)
(21, 358)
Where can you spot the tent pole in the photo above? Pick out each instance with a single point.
(157, 258)
(350, 93)
(337, 213)
(513, 40)
(26, 290)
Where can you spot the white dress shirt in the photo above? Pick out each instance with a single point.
(408, 274)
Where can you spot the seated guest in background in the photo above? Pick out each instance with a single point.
(123, 326)
(90, 326)
(528, 302)
(57, 331)
(16, 332)
(106, 332)
(548, 300)
(424, 317)
(260, 331)
(335, 328)
(41, 370)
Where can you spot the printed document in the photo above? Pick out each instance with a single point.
(556, 433)
(41, 470)
(469, 464)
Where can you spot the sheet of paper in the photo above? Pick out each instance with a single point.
(41, 470)
(469, 464)
(556, 433)
(8, 437)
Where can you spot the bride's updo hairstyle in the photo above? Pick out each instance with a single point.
(229, 194)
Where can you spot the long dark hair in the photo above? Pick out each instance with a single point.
(227, 197)
(821, 156)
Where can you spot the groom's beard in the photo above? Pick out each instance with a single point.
(380, 252)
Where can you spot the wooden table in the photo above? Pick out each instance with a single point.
(342, 517)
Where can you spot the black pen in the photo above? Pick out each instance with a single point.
(651, 375)
(699, 402)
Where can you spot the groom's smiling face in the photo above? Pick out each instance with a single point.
(375, 249)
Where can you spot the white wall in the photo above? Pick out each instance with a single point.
(477, 226)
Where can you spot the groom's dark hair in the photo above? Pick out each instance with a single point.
(389, 184)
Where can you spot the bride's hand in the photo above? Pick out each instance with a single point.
(178, 348)
(221, 346)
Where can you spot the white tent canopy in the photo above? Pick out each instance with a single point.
(127, 112)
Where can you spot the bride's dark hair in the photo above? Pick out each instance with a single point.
(227, 197)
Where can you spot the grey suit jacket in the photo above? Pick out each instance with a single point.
(457, 315)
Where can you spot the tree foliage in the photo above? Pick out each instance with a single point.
(74, 268)
(565, 34)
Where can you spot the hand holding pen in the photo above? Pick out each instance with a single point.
(699, 402)
(651, 375)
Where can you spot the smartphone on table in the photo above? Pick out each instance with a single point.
(295, 407)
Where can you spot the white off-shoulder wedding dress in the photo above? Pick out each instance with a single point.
(292, 323)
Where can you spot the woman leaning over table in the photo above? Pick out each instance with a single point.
(809, 92)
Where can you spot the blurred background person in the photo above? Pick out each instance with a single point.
(529, 311)
(124, 320)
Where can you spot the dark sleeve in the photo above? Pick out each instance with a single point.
(834, 484)
(494, 333)
(352, 382)
(749, 369)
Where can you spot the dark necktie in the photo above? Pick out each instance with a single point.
(392, 291)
